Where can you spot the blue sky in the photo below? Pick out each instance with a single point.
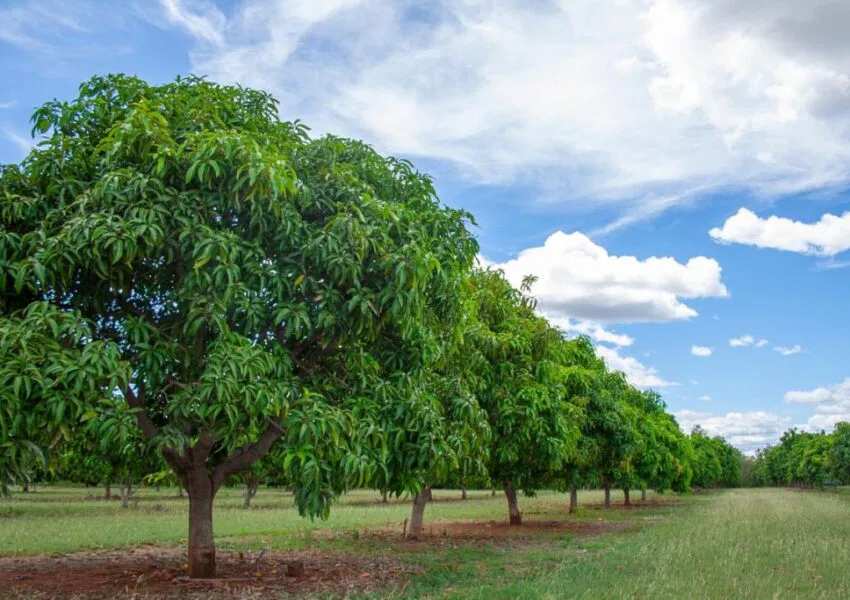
(597, 143)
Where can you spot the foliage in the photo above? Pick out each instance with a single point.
(805, 459)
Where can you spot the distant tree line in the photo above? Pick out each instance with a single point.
(806, 460)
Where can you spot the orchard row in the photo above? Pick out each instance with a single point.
(189, 283)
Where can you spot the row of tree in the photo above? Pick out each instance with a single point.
(187, 280)
(802, 459)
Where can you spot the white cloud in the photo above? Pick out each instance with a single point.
(831, 404)
(579, 279)
(827, 237)
(705, 398)
(595, 331)
(747, 431)
(747, 340)
(701, 350)
(201, 19)
(9, 104)
(636, 372)
(786, 351)
(23, 142)
(640, 105)
(34, 25)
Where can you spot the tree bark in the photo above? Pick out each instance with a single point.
(493, 493)
(643, 495)
(418, 513)
(125, 495)
(25, 487)
(180, 490)
(107, 491)
(627, 501)
(251, 486)
(513, 507)
(607, 496)
(573, 500)
(201, 543)
(385, 496)
(463, 493)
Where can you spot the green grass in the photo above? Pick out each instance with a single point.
(65, 519)
(756, 544)
(735, 544)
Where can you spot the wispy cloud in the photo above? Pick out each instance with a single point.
(638, 113)
(23, 142)
(8, 104)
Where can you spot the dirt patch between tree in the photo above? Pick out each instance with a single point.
(501, 532)
(635, 505)
(158, 573)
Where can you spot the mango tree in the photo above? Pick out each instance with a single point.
(839, 453)
(237, 283)
(535, 422)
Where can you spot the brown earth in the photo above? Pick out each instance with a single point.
(153, 572)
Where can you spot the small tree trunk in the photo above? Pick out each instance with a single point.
(463, 493)
(627, 501)
(419, 503)
(107, 491)
(607, 496)
(573, 500)
(25, 487)
(385, 496)
(643, 495)
(493, 493)
(251, 486)
(180, 490)
(125, 495)
(201, 543)
(513, 507)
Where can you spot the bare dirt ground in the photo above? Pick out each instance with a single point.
(153, 572)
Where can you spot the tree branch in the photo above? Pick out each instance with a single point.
(142, 418)
(137, 402)
(247, 455)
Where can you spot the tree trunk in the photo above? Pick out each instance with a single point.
(385, 496)
(573, 500)
(201, 543)
(493, 493)
(125, 495)
(463, 493)
(513, 507)
(107, 491)
(25, 487)
(179, 490)
(419, 503)
(607, 496)
(643, 495)
(251, 486)
(627, 501)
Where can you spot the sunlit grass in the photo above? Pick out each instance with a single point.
(65, 519)
(736, 544)
(733, 544)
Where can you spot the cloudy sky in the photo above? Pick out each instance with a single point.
(675, 172)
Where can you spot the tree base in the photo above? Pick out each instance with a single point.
(202, 564)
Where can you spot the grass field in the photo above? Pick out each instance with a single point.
(731, 544)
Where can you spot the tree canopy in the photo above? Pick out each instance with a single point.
(179, 256)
